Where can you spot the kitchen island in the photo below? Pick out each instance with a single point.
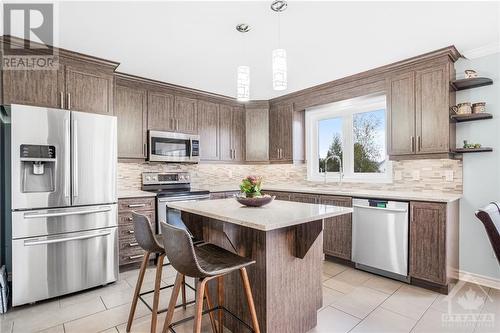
(285, 239)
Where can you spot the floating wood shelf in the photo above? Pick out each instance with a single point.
(471, 83)
(472, 150)
(460, 118)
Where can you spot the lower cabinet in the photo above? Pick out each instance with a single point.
(279, 195)
(337, 231)
(428, 250)
(304, 197)
(129, 250)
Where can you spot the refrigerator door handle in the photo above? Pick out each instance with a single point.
(68, 213)
(75, 158)
(65, 239)
(67, 158)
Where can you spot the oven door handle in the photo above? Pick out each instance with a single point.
(65, 239)
(191, 198)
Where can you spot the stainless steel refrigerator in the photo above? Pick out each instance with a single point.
(59, 204)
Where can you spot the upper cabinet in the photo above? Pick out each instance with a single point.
(89, 89)
(280, 133)
(418, 103)
(185, 115)
(160, 111)
(257, 131)
(232, 133)
(131, 110)
(80, 83)
(208, 129)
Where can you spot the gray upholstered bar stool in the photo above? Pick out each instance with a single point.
(204, 263)
(152, 244)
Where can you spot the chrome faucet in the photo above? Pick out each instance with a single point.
(341, 169)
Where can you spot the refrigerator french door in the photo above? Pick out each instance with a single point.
(63, 201)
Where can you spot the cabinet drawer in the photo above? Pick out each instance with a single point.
(125, 219)
(279, 195)
(304, 197)
(130, 256)
(128, 243)
(135, 204)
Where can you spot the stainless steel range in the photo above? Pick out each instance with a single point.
(170, 187)
(59, 214)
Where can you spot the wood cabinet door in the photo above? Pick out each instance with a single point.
(185, 115)
(337, 231)
(401, 114)
(88, 89)
(428, 241)
(38, 88)
(238, 134)
(208, 129)
(225, 124)
(286, 137)
(131, 111)
(305, 197)
(432, 110)
(274, 133)
(160, 111)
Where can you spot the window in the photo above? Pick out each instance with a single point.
(351, 133)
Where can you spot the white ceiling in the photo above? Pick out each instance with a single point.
(195, 43)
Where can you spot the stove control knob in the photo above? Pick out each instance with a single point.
(148, 178)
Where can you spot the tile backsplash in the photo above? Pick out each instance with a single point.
(433, 175)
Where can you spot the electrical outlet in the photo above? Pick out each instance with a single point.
(416, 174)
(448, 175)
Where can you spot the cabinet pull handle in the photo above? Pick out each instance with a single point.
(136, 205)
(177, 124)
(412, 143)
(61, 99)
(69, 101)
(419, 143)
(136, 256)
(234, 154)
(131, 232)
(130, 219)
(133, 244)
(145, 151)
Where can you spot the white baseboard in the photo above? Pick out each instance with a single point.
(479, 279)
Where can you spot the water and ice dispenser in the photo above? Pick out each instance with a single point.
(38, 164)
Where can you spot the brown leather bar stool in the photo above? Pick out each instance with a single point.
(490, 216)
(152, 244)
(204, 262)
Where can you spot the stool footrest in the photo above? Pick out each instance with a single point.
(164, 287)
(184, 320)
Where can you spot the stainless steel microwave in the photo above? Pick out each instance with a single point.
(173, 147)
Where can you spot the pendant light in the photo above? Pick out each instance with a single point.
(243, 73)
(279, 55)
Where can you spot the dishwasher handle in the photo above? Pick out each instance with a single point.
(394, 210)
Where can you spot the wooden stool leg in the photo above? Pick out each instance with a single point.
(173, 301)
(220, 299)
(200, 292)
(184, 293)
(209, 307)
(251, 306)
(137, 291)
(156, 298)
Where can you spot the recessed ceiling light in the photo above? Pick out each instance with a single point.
(243, 27)
(279, 5)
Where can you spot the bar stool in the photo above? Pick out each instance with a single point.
(204, 262)
(152, 245)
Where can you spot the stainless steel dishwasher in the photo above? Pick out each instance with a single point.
(380, 237)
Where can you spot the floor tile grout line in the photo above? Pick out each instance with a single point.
(423, 314)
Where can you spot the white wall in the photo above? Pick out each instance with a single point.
(481, 172)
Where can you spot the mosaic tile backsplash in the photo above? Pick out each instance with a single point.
(432, 175)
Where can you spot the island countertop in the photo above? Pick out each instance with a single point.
(278, 214)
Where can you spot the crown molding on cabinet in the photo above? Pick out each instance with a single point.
(19, 42)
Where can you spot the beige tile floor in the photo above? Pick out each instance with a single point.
(353, 301)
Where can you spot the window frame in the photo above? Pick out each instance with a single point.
(344, 109)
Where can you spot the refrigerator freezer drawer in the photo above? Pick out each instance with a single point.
(44, 222)
(46, 267)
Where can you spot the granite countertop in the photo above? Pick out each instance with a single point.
(344, 190)
(278, 214)
(124, 194)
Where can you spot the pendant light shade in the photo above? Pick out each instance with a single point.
(243, 84)
(279, 69)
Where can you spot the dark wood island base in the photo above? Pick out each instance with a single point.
(286, 279)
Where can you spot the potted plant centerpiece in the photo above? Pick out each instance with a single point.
(251, 195)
